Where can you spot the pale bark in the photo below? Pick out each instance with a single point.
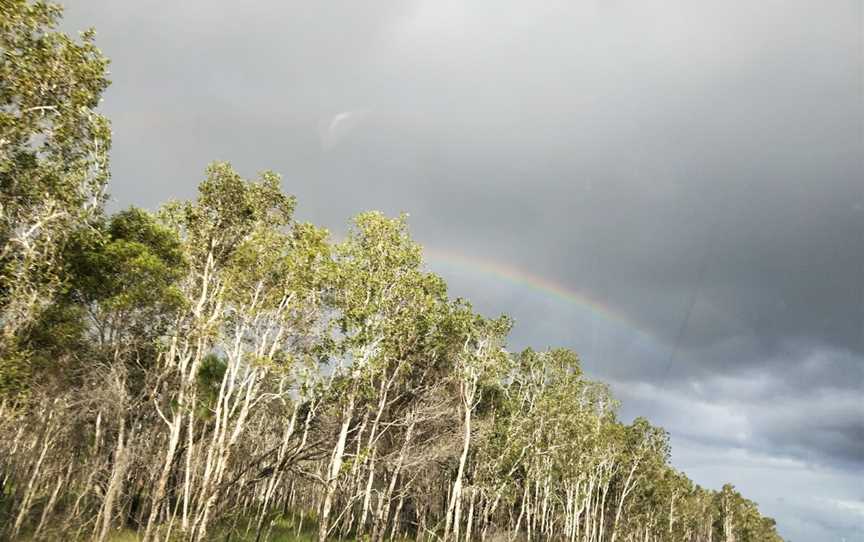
(334, 469)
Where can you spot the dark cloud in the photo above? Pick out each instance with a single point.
(762, 410)
(694, 168)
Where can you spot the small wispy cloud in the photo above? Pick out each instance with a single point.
(334, 129)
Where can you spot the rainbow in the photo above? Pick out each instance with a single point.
(534, 282)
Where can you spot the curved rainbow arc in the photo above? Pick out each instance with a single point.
(533, 282)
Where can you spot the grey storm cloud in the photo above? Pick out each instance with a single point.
(696, 168)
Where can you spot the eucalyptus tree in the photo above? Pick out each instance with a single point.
(126, 280)
(544, 388)
(254, 295)
(738, 519)
(53, 164)
(646, 449)
(92, 348)
(480, 362)
(386, 307)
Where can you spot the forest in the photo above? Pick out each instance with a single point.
(219, 370)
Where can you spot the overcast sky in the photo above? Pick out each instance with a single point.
(696, 168)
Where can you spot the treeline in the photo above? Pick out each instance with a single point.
(218, 367)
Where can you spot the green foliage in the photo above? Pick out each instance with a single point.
(229, 209)
(209, 378)
(53, 166)
(132, 264)
(49, 86)
(388, 309)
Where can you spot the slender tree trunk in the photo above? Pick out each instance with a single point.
(470, 521)
(380, 523)
(628, 487)
(333, 472)
(115, 485)
(31, 484)
(454, 507)
(52, 501)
